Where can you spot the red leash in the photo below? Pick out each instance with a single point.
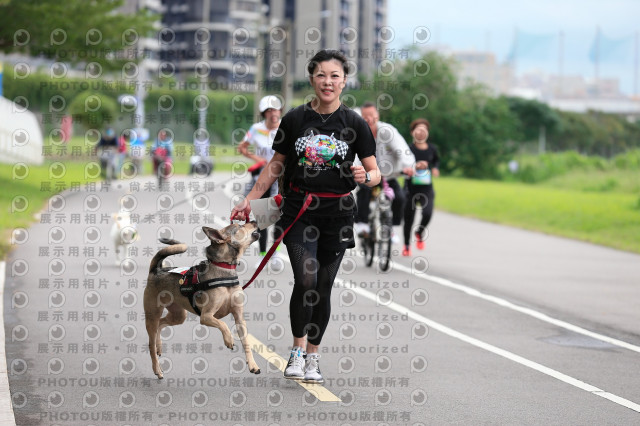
(305, 205)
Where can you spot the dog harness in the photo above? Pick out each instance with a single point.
(191, 286)
(305, 205)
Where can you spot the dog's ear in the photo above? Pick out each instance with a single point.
(213, 234)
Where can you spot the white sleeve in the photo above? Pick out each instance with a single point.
(401, 150)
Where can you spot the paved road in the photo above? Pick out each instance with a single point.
(488, 325)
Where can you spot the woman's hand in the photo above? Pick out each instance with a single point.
(421, 165)
(358, 173)
(241, 211)
(408, 171)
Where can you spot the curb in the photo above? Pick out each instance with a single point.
(6, 409)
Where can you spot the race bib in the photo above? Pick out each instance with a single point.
(422, 177)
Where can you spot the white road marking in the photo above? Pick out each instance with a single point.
(498, 351)
(506, 304)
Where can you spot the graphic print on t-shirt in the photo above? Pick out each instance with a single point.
(321, 152)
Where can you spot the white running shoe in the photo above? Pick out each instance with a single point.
(312, 370)
(295, 366)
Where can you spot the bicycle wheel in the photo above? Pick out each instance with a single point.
(161, 174)
(108, 172)
(368, 245)
(384, 241)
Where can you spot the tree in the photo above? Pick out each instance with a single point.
(472, 130)
(73, 30)
(93, 110)
(532, 116)
(478, 133)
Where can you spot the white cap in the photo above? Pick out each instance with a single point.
(269, 102)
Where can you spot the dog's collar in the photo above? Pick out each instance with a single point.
(225, 265)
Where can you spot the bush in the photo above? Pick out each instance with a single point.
(93, 110)
(628, 161)
(538, 168)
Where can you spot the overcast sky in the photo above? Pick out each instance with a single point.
(492, 24)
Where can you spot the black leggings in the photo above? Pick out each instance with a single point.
(314, 272)
(264, 235)
(423, 197)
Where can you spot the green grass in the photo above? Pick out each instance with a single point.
(623, 181)
(608, 218)
(36, 188)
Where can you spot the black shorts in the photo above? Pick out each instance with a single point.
(331, 233)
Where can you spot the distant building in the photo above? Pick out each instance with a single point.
(292, 32)
(147, 47)
(353, 26)
(482, 67)
(566, 92)
(219, 43)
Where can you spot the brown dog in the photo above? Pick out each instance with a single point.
(163, 290)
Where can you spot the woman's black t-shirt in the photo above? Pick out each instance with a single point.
(422, 179)
(320, 155)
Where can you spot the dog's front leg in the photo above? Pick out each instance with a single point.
(241, 327)
(209, 320)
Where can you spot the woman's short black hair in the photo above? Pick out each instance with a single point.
(327, 55)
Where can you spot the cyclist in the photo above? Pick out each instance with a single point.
(260, 136)
(123, 146)
(136, 149)
(162, 149)
(108, 147)
(200, 160)
(420, 186)
(394, 158)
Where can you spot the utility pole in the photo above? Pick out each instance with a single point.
(259, 74)
(204, 79)
(635, 66)
(260, 53)
(289, 57)
(542, 140)
(560, 64)
(596, 56)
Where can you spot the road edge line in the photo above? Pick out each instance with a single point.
(6, 407)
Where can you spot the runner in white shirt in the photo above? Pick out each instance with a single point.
(257, 145)
(394, 157)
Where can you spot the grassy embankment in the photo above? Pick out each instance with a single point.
(586, 198)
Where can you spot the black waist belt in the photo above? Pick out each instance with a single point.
(191, 285)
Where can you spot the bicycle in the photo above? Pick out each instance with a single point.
(164, 168)
(108, 164)
(378, 239)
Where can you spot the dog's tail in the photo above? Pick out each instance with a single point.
(175, 247)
